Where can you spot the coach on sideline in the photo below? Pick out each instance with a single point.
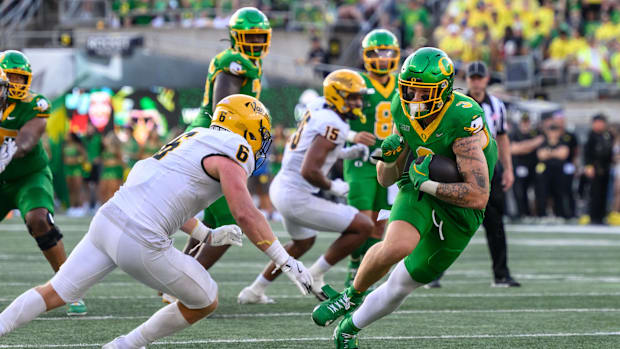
(495, 114)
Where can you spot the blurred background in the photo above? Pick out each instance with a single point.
(125, 76)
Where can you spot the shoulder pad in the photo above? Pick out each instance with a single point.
(235, 63)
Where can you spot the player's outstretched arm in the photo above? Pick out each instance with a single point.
(29, 136)
(233, 179)
(473, 192)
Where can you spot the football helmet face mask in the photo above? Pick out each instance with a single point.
(4, 91)
(380, 52)
(425, 82)
(15, 62)
(249, 118)
(250, 32)
(342, 90)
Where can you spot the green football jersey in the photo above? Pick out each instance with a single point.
(460, 117)
(377, 110)
(16, 115)
(231, 62)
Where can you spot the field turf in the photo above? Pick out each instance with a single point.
(570, 298)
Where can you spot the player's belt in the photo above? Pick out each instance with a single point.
(7, 133)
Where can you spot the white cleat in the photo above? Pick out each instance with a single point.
(249, 296)
(118, 343)
(168, 299)
(317, 284)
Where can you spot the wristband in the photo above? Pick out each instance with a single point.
(351, 136)
(277, 253)
(429, 187)
(200, 232)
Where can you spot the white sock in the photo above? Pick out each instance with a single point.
(22, 310)
(164, 322)
(386, 298)
(260, 284)
(320, 267)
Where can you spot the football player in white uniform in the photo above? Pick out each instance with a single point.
(309, 155)
(161, 195)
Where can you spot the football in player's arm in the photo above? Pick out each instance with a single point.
(426, 233)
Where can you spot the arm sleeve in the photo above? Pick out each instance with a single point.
(41, 107)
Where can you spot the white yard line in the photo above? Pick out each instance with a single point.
(313, 339)
(307, 314)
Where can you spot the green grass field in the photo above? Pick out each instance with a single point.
(570, 299)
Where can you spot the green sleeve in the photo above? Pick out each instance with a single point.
(38, 107)
(469, 120)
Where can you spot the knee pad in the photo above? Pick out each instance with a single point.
(50, 238)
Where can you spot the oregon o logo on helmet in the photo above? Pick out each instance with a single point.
(445, 66)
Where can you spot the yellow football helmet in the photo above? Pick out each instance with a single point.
(247, 117)
(338, 86)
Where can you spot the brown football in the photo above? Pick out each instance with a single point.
(442, 169)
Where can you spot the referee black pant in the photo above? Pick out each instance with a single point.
(494, 226)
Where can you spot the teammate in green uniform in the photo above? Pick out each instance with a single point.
(234, 70)
(430, 223)
(112, 167)
(381, 56)
(25, 178)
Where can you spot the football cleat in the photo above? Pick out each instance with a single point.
(168, 299)
(317, 284)
(77, 308)
(505, 282)
(433, 284)
(337, 305)
(345, 334)
(117, 343)
(249, 296)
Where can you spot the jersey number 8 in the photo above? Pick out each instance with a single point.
(383, 120)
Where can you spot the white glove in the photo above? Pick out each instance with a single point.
(376, 154)
(297, 272)
(227, 235)
(339, 187)
(7, 150)
(355, 151)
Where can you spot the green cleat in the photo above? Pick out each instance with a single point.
(345, 334)
(337, 305)
(77, 308)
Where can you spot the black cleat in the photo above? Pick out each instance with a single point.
(433, 284)
(505, 282)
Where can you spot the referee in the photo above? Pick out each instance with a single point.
(495, 114)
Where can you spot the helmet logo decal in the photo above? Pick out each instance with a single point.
(445, 66)
(255, 107)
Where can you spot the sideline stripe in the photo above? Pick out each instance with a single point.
(399, 312)
(312, 339)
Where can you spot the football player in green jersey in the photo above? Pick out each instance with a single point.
(381, 56)
(25, 178)
(426, 233)
(234, 70)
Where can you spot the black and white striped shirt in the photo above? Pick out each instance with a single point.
(495, 114)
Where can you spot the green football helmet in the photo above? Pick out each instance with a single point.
(250, 32)
(428, 72)
(380, 52)
(15, 62)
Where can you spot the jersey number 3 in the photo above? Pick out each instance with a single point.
(173, 144)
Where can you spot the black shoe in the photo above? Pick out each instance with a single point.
(505, 282)
(433, 284)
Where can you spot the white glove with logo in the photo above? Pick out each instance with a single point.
(227, 235)
(7, 150)
(355, 151)
(375, 156)
(299, 274)
(293, 268)
(339, 187)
